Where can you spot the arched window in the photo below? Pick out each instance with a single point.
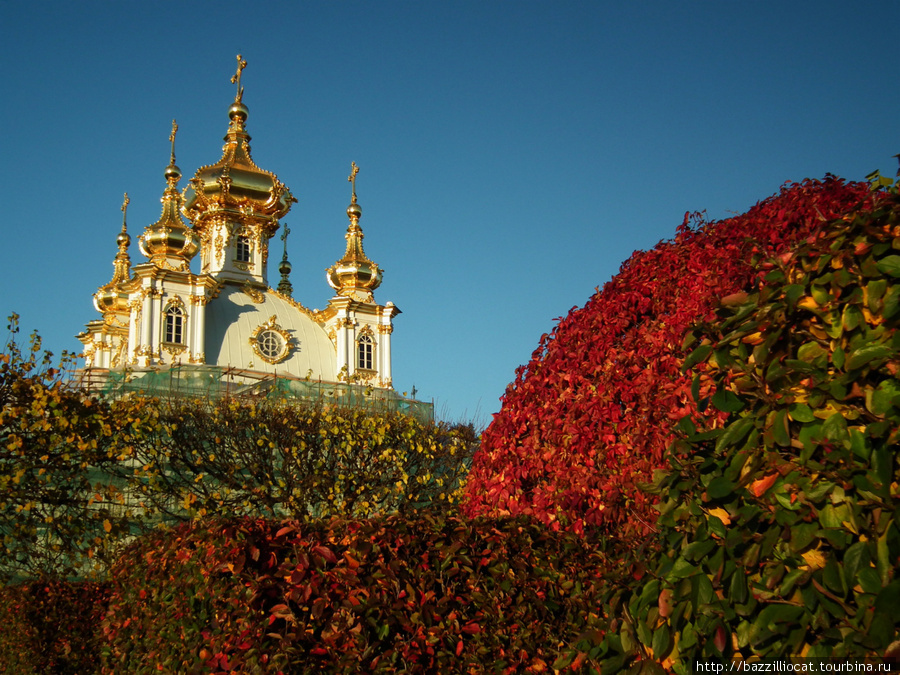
(243, 249)
(175, 325)
(365, 350)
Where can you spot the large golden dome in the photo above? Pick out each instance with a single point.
(235, 185)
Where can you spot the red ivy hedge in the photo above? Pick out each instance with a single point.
(588, 419)
(430, 594)
(51, 627)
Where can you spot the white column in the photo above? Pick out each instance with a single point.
(386, 353)
(132, 335)
(146, 320)
(199, 332)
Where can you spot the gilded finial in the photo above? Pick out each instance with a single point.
(172, 139)
(236, 78)
(284, 236)
(284, 286)
(352, 178)
(125, 204)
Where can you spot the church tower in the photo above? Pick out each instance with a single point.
(226, 321)
(362, 328)
(235, 206)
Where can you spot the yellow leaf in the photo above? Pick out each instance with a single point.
(814, 559)
(808, 303)
(107, 525)
(721, 514)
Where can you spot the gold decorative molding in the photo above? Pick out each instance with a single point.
(255, 294)
(173, 348)
(119, 356)
(314, 315)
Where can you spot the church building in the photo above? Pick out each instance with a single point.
(225, 321)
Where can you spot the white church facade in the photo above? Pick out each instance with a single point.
(225, 320)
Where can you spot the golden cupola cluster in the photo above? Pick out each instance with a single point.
(234, 187)
(226, 317)
(169, 243)
(110, 298)
(354, 276)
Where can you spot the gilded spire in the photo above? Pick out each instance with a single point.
(169, 243)
(284, 286)
(122, 263)
(108, 298)
(354, 275)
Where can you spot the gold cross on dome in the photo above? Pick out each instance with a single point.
(352, 178)
(236, 78)
(172, 138)
(124, 209)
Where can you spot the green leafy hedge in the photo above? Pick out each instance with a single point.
(779, 529)
(430, 594)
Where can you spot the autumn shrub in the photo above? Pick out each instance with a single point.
(52, 440)
(184, 459)
(51, 627)
(395, 594)
(779, 529)
(588, 419)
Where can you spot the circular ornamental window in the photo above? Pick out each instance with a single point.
(270, 344)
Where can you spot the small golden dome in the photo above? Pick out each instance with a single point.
(354, 275)
(169, 243)
(110, 297)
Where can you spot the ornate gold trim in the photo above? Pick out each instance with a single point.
(255, 294)
(173, 348)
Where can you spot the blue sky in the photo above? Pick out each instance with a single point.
(512, 154)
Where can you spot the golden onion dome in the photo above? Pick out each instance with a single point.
(110, 297)
(235, 184)
(169, 242)
(354, 275)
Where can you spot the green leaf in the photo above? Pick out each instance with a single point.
(727, 401)
(889, 265)
(780, 429)
(719, 487)
(835, 429)
(681, 569)
(812, 352)
(734, 433)
(883, 563)
(698, 355)
(866, 354)
(838, 357)
(892, 302)
(856, 557)
(662, 642)
(793, 293)
(564, 661)
(800, 412)
(869, 579)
